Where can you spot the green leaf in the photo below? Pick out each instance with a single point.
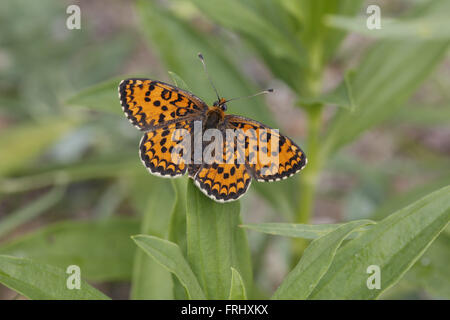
(237, 290)
(39, 281)
(315, 261)
(178, 81)
(98, 168)
(101, 97)
(169, 255)
(84, 243)
(238, 16)
(27, 141)
(423, 29)
(382, 83)
(394, 244)
(151, 280)
(342, 96)
(305, 231)
(215, 243)
(177, 227)
(31, 210)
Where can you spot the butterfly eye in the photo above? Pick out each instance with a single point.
(223, 107)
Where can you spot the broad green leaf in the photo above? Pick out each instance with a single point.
(422, 29)
(31, 210)
(237, 290)
(394, 244)
(169, 255)
(21, 144)
(102, 249)
(39, 281)
(215, 243)
(305, 231)
(315, 261)
(151, 280)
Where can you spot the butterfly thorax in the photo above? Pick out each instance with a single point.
(214, 116)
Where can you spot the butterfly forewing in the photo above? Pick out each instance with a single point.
(264, 161)
(151, 104)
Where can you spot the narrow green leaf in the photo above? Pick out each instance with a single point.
(215, 243)
(151, 280)
(394, 245)
(169, 255)
(238, 16)
(423, 28)
(31, 210)
(177, 227)
(178, 81)
(39, 281)
(315, 261)
(84, 243)
(100, 97)
(305, 231)
(237, 290)
(25, 142)
(342, 96)
(383, 82)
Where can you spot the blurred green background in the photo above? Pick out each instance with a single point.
(69, 164)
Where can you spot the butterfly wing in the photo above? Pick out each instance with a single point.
(223, 182)
(158, 149)
(258, 140)
(151, 104)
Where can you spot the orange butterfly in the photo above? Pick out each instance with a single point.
(160, 110)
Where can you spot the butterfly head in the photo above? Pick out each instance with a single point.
(221, 104)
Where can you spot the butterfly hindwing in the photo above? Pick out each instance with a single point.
(157, 150)
(289, 157)
(223, 182)
(150, 104)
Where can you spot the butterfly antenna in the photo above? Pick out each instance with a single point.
(207, 74)
(251, 96)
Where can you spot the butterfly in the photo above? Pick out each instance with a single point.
(160, 110)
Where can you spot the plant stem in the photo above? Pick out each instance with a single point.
(309, 178)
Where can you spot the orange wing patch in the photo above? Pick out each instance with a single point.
(258, 142)
(157, 147)
(223, 182)
(152, 104)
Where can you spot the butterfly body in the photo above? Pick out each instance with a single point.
(162, 110)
